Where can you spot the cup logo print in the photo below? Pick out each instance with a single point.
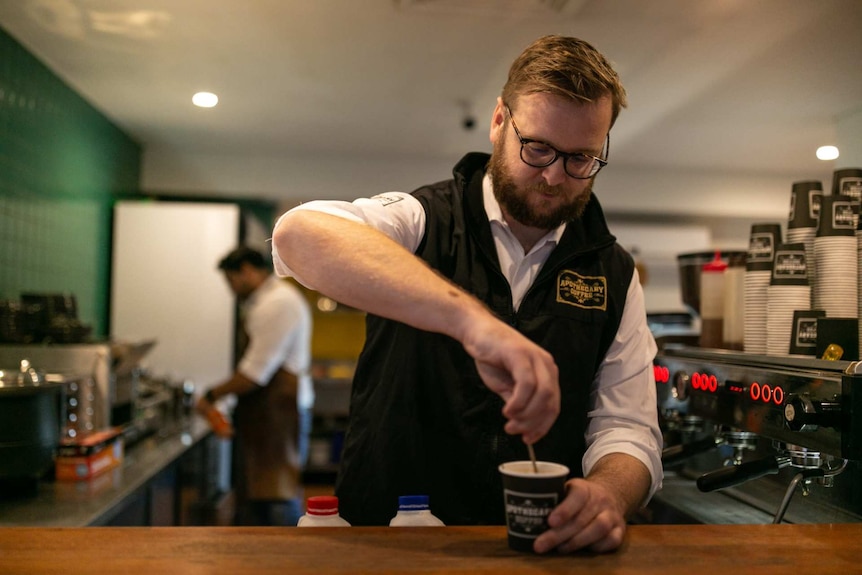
(842, 215)
(850, 186)
(527, 513)
(806, 332)
(814, 197)
(790, 264)
(760, 247)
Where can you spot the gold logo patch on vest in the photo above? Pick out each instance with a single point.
(588, 292)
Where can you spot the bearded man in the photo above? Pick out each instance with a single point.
(501, 313)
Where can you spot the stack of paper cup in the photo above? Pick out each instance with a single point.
(805, 200)
(758, 271)
(836, 289)
(859, 279)
(788, 291)
(848, 182)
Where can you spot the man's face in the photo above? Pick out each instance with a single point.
(544, 198)
(239, 282)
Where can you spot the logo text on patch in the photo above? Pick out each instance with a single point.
(589, 292)
(386, 199)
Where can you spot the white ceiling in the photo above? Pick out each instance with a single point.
(729, 85)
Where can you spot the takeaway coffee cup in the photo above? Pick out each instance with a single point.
(838, 216)
(529, 498)
(805, 199)
(847, 182)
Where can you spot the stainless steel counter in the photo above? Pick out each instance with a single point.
(95, 501)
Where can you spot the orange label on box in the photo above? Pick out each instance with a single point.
(78, 468)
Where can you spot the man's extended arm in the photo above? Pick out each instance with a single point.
(359, 266)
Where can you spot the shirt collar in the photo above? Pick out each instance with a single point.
(495, 214)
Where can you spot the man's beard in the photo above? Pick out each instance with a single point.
(514, 200)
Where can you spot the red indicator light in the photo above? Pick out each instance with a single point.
(766, 393)
(754, 391)
(661, 373)
(778, 395)
(704, 382)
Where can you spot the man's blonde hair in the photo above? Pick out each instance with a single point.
(566, 67)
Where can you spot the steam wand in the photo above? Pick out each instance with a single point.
(805, 476)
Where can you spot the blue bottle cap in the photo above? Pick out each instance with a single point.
(412, 502)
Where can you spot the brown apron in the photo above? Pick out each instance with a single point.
(267, 431)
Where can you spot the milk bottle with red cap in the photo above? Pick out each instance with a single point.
(322, 511)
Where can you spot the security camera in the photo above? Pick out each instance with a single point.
(468, 120)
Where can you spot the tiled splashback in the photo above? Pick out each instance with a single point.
(53, 245)
(62, 165)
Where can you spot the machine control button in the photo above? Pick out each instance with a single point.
(679, 390)
(801, 413)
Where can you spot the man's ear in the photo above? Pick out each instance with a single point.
(498, 121)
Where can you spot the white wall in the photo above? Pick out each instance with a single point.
(166, 286)
(656, 248)
(849, 137)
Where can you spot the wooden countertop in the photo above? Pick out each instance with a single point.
(649, 549)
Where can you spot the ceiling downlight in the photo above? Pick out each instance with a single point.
(205, 100)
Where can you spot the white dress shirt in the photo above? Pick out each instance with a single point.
(278, 322)
(623, 416)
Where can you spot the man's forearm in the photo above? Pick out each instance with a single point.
(626, 477)
(361, 267)
(238, 384)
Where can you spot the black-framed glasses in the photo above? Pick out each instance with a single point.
(538, 154)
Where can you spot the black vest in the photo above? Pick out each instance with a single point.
(421, 420)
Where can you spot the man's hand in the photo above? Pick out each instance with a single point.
(593, 514)
(589, 517)
(220, 426)
(519, 371)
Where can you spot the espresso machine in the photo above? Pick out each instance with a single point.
(768, 414)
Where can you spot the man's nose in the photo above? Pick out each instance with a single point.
(555, 174)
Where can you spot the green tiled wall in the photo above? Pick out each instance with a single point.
(62, 164)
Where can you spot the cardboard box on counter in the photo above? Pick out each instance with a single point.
(89, 455)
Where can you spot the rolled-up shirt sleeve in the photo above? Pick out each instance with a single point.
(398, 215)
(624, 412)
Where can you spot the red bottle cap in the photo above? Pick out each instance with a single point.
(716, 265)
(322, 505)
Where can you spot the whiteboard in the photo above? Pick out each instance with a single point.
(165, 285)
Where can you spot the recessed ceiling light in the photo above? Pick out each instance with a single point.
(827, 153)
(205, 99)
